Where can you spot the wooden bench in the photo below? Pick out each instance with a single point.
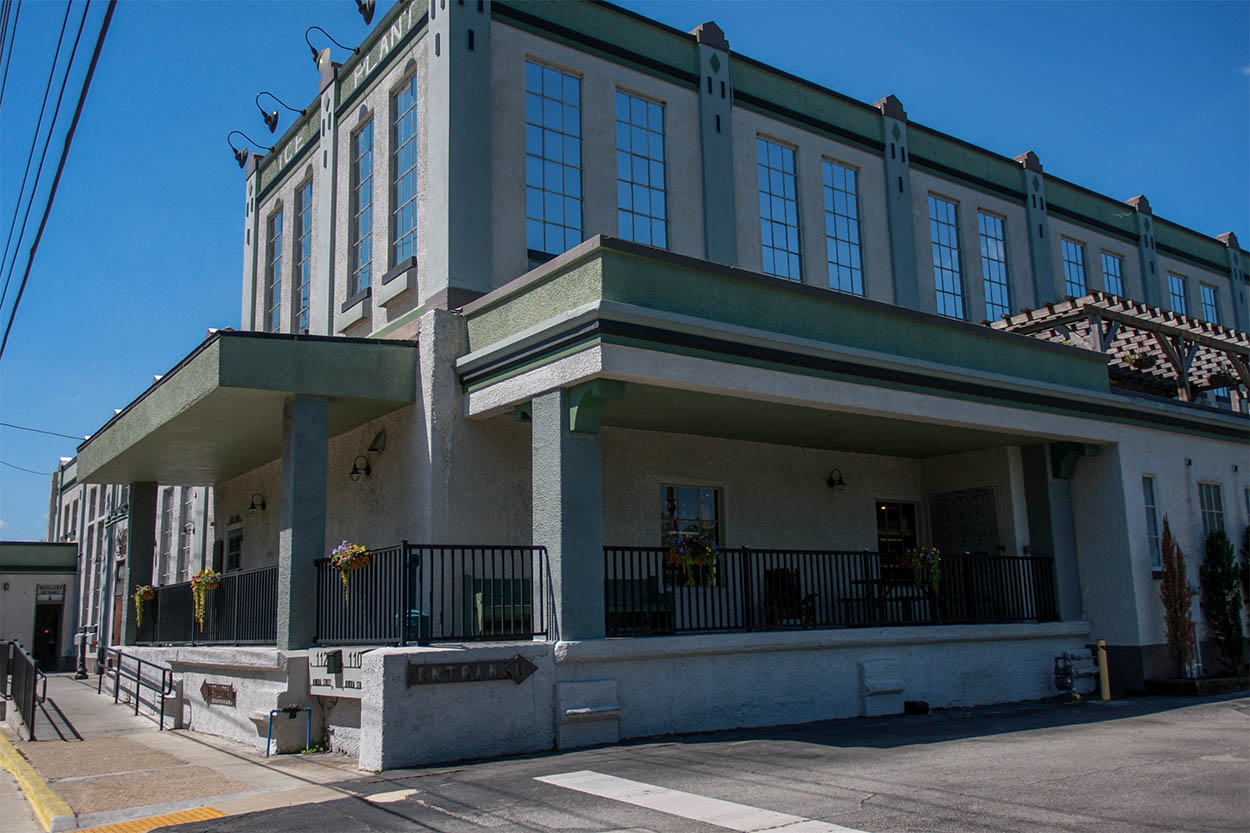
(638, 606)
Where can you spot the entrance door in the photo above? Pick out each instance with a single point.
(115, 635)
(965, 521)
(896, 526)
(45, 648)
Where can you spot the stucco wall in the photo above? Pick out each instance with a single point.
(17, 608)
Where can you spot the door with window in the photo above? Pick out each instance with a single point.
(896, 526)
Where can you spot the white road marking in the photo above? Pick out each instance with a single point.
(725, 814)
(390, 797)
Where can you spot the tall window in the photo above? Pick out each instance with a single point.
(273, 275)
(1073, 268)
(1113, 274)
(303, 255)
(553, 160)
(846, 272)
(1211, 503)
(361, 229)
(185, 531)
(167, 527)
(994, 266)
(1177, 294)
(779, 210)
(1152, 522)
(404, 172)
(640, 210)
(689, 510)
(947, 277)
(1210, 303)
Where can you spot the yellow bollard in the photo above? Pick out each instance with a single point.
(1104, 681)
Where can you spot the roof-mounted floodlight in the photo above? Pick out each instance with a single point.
(271, 116)
(241, 154)
(365, 7)
(317, 56)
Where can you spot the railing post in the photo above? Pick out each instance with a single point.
(405, 613)
(748, 609)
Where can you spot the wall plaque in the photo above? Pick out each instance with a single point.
(336, 672)
(221, 694)
(49, 593)
(518, 669)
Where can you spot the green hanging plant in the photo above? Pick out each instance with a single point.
(143, 593)
(203, 581)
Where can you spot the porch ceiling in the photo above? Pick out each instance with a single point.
(218, 413)
(688, 412)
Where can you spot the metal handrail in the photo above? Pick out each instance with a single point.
(30, 684)
(118, 671)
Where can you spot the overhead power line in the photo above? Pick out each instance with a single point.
(28, 471)
(17, 11)
(40, 431)
(60, 168)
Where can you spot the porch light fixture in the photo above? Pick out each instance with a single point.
(365, 7)
(835, 480)
(258, 503)
(271, 116)
(241, 154)
(317, 55)
(358, 470)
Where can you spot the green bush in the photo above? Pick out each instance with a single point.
(1221, 597)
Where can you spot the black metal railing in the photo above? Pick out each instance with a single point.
(648, 592)
(6, 651)
(428, 593)
(28, 686)
(141, 674)
(242, 610)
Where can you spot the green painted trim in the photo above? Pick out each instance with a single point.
(376, 75)
(1176, 254)
(540, 361)
(1064, 455)
(1091, 224)
(985, 186)
(345, 72)
(289, 171)
(587, 402)
(392, 326)
(765, 108)
(524, 412)
(303, 132)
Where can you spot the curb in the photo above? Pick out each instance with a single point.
(51, 810)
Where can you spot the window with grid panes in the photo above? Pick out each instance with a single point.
(1113, 274)
(1210, 298)
(1152, 522)
(1073, 268)
(779, 210)
(167, 528)
(404, 172)
(689, 510)
(641, 214)
(273, 274)
(1211, 503)
(303, 256)
(185, 531)
(553, 160)
(994, 265)
(947, 277)
(842, 251)
(361, 228)
(1177, 294)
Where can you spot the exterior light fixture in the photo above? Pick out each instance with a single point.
(271, 116)
(835, 480)
(316, 55)
(258, 503)
(365, 7)
(240, 154)
(358, 469)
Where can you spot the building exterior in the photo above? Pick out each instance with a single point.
(38, 591)
(552, 275)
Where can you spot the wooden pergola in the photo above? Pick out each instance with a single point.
(1148, 349)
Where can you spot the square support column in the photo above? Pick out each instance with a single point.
(302, 534)
(140, 552)
(568, 515)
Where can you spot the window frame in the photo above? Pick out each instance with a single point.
(1069, 266)
(1211, 309)
(1118, 276)
(301, 257)
(1178, 303)
(1150, 502)
(407, 239)
(630, 186)
(1212, 516)
(1004, 263)
(356, 186)
(537, 212)
(274, 232)
(854, 225)
(766, 248)
(941, 293)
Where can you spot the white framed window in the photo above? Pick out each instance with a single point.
(404, 172)
(1210, 297)
(947, 272)
(1211, 503)
(1152, 521)
(303, 256)
(360, 229)
(553, 161)
(273, 273)
(779, 210)
(167, 527)
(994, 265)
(186, 530)
(1177, 294)
(641, 213)
(842, 245)
(1074, 281)
(1113, 274)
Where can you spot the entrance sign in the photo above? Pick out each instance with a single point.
(336, 672)
(49, 593)
(221, 694)
(518, 669)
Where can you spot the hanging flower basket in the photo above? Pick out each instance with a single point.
(347, 557)
(696, 558)
(1223, 379)
(926, 566)
(143, 593)
(201, 583)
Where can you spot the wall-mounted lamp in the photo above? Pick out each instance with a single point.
(835, 480)
(271, 116)
(358, 469)
(258, 503)
(378, 445)
(240, 154)
(317, 56)
(365, 7)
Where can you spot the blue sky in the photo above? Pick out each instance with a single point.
(143, 252)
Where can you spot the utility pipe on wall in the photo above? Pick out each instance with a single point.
(1104, 681)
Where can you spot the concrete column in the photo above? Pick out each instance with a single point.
(321, 287)
(1049, 507)
(302, 530)
(441, 337)
(568, 515)
(458, 173)
(1154, 290)
(716, 96)
(251, 229)
(140, 550)
(898, 203)
(1236, 279)
(1042, 267)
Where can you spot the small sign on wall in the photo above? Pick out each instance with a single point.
(221, 694)
(336, 672)
(49, 593)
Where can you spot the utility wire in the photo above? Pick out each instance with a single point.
(60, 168)
(4, 24)
(28, 471)
(30, 155)
(17, 11)
(40, 431)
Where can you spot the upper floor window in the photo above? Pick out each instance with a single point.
(303, 255)
(167, 528)
(994, 265)
(1152, 522)
(1211, 502)
(1073, 268)
(1177, 294)
(273, 274)
(779, 210)
(1113, 274)
(947, 276)
(641, 215)
(404, 172)
(553, 160)
(842, 251)
(361, 223)
(1210, 302)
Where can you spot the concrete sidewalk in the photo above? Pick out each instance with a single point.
(112, 769)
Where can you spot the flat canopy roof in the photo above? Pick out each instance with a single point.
(218, 412)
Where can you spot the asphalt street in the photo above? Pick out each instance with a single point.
(1129, 766)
